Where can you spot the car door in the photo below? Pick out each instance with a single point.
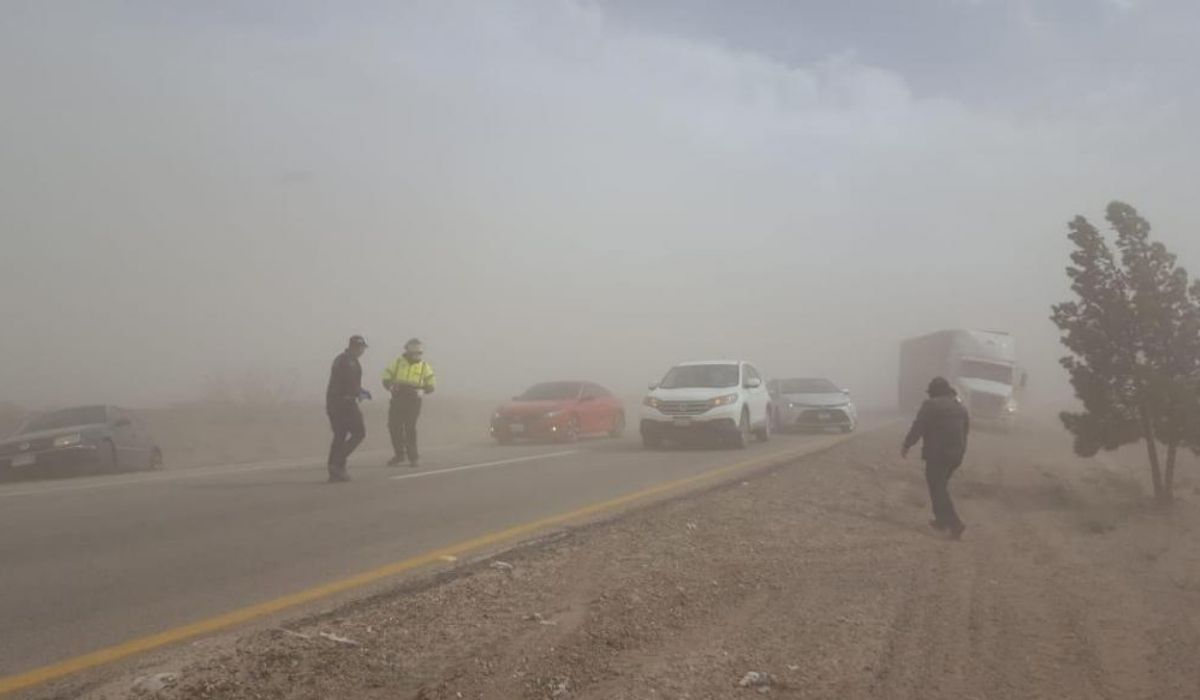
(124, 436)
(592, 410)
(145, 443)
(610, 408)
(615, 410)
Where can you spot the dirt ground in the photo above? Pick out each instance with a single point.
(822, 575)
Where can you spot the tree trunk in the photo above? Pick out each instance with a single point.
(1169, 473)
(1152, 451)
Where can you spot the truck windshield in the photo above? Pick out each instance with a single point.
(701, 377)
(990, 371)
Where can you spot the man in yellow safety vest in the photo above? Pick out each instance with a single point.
(408, 379)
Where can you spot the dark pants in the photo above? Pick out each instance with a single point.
(937, 475)
(348, 431)
(402, 424)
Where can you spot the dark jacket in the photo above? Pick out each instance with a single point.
(941, 426)
(345, 381)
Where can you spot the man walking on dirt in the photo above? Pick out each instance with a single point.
(341, 404)
(941, 426)
(408, 378)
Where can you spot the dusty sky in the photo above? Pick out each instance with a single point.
(207, 190)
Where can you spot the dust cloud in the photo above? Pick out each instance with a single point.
(193, 195)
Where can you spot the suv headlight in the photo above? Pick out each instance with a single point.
(651, 401)
(68, 440)
(724, 400)
(1011, 406)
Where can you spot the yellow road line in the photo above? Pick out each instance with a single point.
(100, 657)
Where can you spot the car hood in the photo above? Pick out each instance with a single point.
(43, 434)
(837, 399)
(532, 408)
(692, 394)
(984, 386)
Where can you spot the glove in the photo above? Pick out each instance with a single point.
(903, 453)
(428, 390)
(364, 395)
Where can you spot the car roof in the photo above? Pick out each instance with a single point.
(709, 362)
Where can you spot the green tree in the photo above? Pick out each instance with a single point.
(1133, 334)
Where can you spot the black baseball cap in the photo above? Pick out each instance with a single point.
(357, 340)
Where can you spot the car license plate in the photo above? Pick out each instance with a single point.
(24, 460)
(683, 421)
(825, 415)
(516, 428)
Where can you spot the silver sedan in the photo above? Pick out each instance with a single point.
(811, 403)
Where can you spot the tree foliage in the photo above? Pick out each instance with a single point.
(1133, 334)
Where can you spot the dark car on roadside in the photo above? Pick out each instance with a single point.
(560, 411)
(84, 438)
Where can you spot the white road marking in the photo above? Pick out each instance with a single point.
(484, 465)
(199, 472)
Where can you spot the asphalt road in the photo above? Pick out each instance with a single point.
(91, 562)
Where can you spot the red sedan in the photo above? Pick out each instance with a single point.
(564, 411)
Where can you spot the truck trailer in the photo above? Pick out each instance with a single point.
(980, 365)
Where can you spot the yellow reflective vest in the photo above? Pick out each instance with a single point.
(415, 374)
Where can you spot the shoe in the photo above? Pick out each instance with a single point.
(937, 525)
(395, 461)
(339, 478)
(414, 463)
(957, 530)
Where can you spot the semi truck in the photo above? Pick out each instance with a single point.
(981, 365)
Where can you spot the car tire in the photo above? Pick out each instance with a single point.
(741, 440)
(618, 426)
(156, 460)
(764, 433)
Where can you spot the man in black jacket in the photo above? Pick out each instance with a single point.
(941, 426)
(341, 404)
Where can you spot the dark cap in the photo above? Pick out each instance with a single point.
(940, 387)
(357, 340)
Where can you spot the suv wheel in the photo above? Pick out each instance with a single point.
(742, 439)
(764, 433)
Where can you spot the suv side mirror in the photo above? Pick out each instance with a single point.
(652, 386)
(846, 392)
(753, 383)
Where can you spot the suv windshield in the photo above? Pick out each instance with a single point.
(551, 391)
(807, 386)
(701, 377)
(991, 371)
(67, 418)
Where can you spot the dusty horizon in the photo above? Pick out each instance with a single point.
(562, 189)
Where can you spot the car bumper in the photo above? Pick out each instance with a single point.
(810, 417)
(537, 428)
(74, 456)
(722, 420)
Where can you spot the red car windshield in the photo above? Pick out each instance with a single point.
(552, 391)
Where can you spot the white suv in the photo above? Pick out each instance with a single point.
(724, 398)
